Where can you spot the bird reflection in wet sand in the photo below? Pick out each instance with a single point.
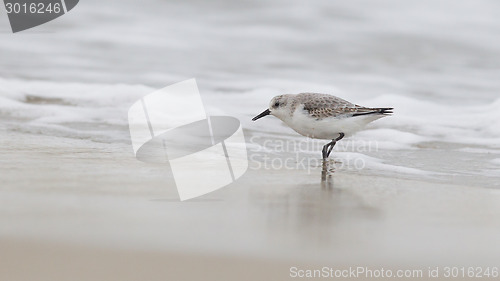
(327, 171)
(312, 215)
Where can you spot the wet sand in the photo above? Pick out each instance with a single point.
(84, 209)
(35, 260)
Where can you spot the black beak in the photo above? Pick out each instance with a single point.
(264, 113)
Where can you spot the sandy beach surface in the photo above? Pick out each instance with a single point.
(121, 220)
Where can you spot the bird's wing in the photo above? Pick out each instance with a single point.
(322, 106)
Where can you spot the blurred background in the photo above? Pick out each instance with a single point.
(76, 204)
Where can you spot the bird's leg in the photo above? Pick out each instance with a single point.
(325, 150)
(331, 145)
(341, 136)
(330, 148)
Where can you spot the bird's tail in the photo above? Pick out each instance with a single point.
(382, 111)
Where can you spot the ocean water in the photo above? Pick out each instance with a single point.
(67, 86)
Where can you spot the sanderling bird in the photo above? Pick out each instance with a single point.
(322, 116)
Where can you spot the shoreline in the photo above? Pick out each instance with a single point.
(98, 198)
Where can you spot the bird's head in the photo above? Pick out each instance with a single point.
(279, 107)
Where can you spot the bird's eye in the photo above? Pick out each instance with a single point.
(276, 104)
